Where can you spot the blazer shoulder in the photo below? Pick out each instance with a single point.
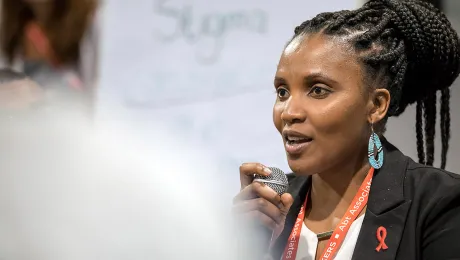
(429, 178)
(433, 189)
(435, 195)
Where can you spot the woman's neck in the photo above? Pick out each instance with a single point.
(332, 192)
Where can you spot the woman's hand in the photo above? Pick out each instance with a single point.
(259, 203)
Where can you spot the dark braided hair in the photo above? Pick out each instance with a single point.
(408, 47)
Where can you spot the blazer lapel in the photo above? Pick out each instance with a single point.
(386, 209)
(298, 188)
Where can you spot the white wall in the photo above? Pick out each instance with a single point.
(210, 81)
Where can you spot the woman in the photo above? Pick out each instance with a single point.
(47, 38)
(353, 195)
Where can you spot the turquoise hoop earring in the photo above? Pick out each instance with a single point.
(375, 144)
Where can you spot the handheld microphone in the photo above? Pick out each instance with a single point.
(277, 180)
(259, 236)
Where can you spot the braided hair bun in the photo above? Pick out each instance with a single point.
(432, 46)
(419, 55)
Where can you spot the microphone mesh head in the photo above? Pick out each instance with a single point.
(277, 180)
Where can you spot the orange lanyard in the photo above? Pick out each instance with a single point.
(336, 240)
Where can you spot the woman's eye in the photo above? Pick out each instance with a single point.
(282, 93)
(319, 92)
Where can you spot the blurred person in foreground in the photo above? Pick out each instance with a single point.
(352, 194)
(20, 96)
(69, 191)
(51, 41)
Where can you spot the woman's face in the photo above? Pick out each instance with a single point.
(322, 107)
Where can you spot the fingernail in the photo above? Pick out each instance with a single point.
(267, 170)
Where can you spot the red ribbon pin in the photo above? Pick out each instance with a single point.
(381, 235)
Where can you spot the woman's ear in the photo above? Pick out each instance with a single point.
(379, 103)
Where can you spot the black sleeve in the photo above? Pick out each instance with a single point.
(441, 232)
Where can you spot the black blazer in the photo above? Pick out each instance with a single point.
(418, 205)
